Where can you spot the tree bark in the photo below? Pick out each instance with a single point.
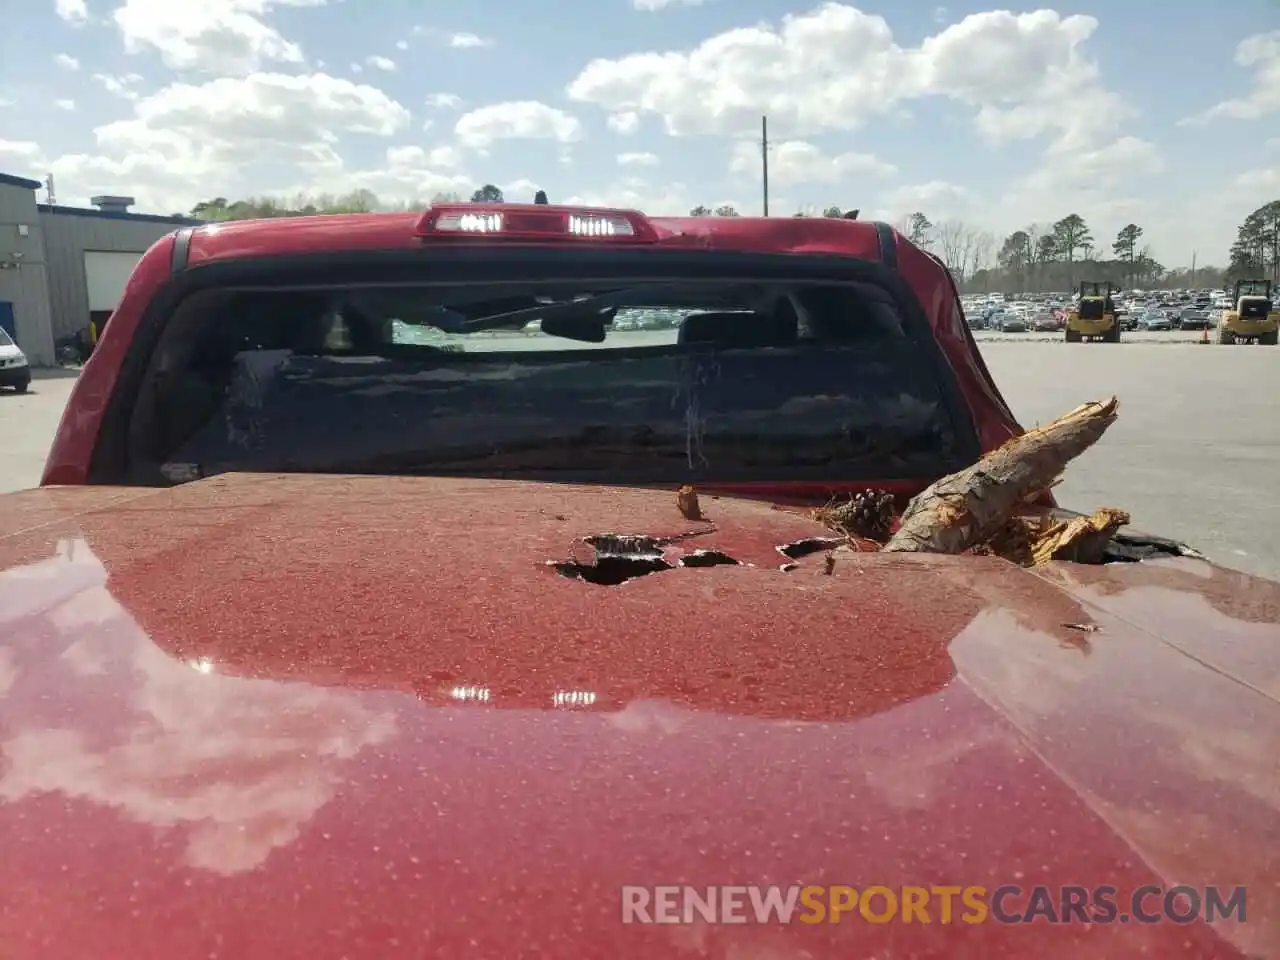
(967, 508)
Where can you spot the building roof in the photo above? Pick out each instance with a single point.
(9, 180)
(116, 215)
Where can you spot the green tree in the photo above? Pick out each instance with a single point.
(700, 211)
(1125, 246)
(1256, 251)
(833, 212)
(487, 194)
(302, 205)
(919, 229)
(1016, 253)
(1071, 234)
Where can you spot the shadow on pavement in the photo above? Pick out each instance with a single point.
(54, 373)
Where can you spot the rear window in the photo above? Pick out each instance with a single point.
(642, 382)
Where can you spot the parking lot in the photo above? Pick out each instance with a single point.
(1195, 454)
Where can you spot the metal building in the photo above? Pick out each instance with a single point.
(24, 280)
(72, 264)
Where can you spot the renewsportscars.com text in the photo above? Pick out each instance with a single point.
(1008, 904)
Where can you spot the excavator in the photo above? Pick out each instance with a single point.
(1094, 315)
(1252, 317)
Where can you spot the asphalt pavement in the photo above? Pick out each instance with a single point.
(28, 422)
(1195, 453)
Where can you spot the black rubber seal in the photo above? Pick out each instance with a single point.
(181, 250)
(888, 245)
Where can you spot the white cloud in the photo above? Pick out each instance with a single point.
(406, 174)
(185, 138)
(625, 123)
(401, 158)
(72, 11)
(1263, 184)
(518, 188)
(444, 101)
(799, 162)
(1261, 54)
(468, 41)
(835, 67)
(122, 86)
(385, 64)
(1023, 76)
(651, 5)
(67, 62)
(22, 151)
(219, 36)
(1081, 172)
(519, 120)
(636, 193)
(402, 44)
(65, 104)
(941, 200)
(638, 160)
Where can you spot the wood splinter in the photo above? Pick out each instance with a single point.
(687, 502)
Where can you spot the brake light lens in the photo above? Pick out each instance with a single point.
(470, 223)
(534, 223)
(600, 226)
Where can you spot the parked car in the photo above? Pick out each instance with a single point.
(320, 640)
(1193, 318)
(15, 371)
(1155, 320)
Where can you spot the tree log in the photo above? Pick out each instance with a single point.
(968, 508)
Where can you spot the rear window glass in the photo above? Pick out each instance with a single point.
(643, 383)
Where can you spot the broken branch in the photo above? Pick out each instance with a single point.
(968, 508)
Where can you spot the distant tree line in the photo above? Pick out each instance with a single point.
(1048, 258)
(729, 211)
(308, 205)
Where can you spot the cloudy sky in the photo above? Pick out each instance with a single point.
(1166, 115)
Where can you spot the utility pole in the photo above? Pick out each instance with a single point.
(764, 159)
(1193, 269)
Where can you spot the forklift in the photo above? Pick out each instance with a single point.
(1094, 315)
(1251, 317)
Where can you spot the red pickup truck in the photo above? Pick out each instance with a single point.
(307, 647)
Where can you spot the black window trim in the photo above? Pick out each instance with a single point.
(111, 456)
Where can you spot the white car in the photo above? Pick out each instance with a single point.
(14, 370)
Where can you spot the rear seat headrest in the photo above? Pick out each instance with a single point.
(741, 329)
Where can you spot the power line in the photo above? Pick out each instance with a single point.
(764, 160)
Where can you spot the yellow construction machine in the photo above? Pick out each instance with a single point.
(1094, 315)
(1251, 318)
